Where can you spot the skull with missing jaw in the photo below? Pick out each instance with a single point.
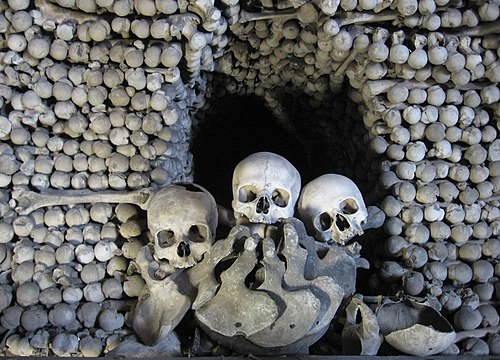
(266, 187)
(332, 208)
(182, 219)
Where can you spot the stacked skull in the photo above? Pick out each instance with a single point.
(275, 294)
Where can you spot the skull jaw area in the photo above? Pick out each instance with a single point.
(336, 236)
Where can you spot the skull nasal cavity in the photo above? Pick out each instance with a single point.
(341, 222)
(263, 205)
(183, 249)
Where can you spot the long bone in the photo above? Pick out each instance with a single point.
(28, 201)
(51, 11)
(342, 20)
(355, 53)
(350, 18)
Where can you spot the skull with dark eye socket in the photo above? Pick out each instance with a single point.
(265, 188)
(165, 238)
(332, 208)
(182, 221)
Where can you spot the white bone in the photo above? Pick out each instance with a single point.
(182, 221)
(266, 187)
(332, 208)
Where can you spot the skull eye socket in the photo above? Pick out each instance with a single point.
(349, 206)
(166, 238)
(323, 221)
(247, 194)
(198, 233)
(280, 197)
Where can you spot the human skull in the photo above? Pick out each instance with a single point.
(182, 219)
(332, 207)
(266, 187)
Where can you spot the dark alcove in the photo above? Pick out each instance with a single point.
(233, 128)
(329, 137)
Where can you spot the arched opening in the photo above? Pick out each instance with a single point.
(316, 139)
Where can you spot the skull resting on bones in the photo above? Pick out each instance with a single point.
(332, 208)
(182, 219)
(266, 187)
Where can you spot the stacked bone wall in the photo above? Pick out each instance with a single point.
(91, 98)
(102, 94)
(424, 76)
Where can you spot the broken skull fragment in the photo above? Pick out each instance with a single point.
(271, 299)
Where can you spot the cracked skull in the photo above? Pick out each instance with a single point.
(266, 187)
(332, 208)
(182, 219)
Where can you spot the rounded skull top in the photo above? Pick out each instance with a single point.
(266, 187)
(182, 219)
(332, 208)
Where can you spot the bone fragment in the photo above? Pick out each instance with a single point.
(376, 218)
(246, 16)
(58, 14)
(343, 19)
(163, 302)
(479, 30)
(293, 321)
(355, 52)
(367, 332)
(239, 320)
(170, 346)
(202, 275)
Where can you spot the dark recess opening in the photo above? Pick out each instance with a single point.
(233, 128)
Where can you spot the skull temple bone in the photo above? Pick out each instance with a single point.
(332, 208)
(266, 187)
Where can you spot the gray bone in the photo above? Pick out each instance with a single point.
(28, 201)
(238, 302)
(162, 303)
(301, 306)
(202, 275)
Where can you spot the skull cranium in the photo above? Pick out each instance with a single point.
(332, 208)
(266, 187)
(182, 219)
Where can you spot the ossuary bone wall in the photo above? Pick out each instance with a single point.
(103, 94)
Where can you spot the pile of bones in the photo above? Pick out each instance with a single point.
(98, 103)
